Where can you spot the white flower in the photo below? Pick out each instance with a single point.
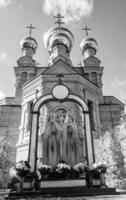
(61, 166)
(13, 172)
(80, 167)
(100, 165)
(23, 165)
(44, 166)
(95, 165)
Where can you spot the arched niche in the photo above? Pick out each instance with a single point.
(34, 129)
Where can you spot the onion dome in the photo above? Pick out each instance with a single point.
(89, 45)
(29, 42)
(59, 36)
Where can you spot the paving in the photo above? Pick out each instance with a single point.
(120, 195)
(106, 197)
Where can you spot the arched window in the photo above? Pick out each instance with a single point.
(23, 77)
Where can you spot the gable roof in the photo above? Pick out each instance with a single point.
(60, 67)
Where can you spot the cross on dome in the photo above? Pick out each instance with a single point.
(59, 21)
(88, 44)
(29, 43)
(30, 29)
(59, 36)
(86, 29)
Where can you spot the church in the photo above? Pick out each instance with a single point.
(58, 110)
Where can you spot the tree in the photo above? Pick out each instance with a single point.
(111, 148)
(5, 161)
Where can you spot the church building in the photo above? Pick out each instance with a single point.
(58, 110)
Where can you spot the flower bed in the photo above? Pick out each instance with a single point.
(22, 168)
(81, 168)
(94, 176)
(98, 172)
(61, 171)
(18, 173)
(100, 167)
(44, 169)
(63, 168)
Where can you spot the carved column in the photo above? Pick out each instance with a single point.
(89, 140)
(33, 141)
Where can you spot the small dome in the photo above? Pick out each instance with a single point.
(89, 43)
(57, 36)
(29, 42)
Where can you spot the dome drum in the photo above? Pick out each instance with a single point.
(88, 44)
(59, 36)
(29, 42)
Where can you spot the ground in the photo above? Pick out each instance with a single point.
(117, 197)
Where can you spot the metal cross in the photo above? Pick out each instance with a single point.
(30, 29)
(60, 76)
(59, 21)
(86, 29)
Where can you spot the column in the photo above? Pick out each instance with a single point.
(89, 140)
(33, 141)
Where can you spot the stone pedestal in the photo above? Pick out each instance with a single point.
(63, 184)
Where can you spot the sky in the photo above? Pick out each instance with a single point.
(106, 18)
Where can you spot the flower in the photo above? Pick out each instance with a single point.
(23, 165)
(22, 168)
(80, 167)
(13, 172)
(43, 168)
(100, 167)
(62, 168)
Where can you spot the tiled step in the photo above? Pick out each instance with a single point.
(62, 192)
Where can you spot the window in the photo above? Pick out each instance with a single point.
(30, 107)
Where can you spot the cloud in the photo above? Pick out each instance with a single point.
(124, 65)
(123, 95)
(116, 83)
(120, 87)
(5, 3)
(73, 10)
(3, 57)
(20, 6)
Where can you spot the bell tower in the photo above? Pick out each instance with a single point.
(26, 65)
(91, 64)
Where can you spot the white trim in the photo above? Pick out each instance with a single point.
(41, 100)
(50, 97)
(81, 101)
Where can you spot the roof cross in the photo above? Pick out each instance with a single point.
(30, 29)
(86, 29)
(60, 76)
(59, 19)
